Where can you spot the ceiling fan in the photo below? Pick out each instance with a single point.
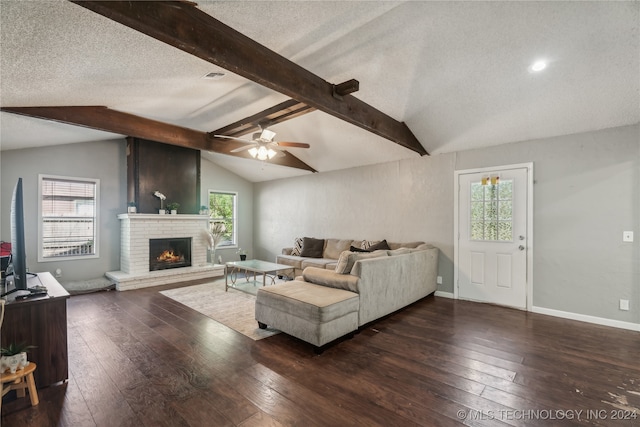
(262, 146)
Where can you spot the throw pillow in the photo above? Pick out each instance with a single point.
(297, 246)
(312, 248)
(366, 244)
(355, 249)
(380, 245)
(345, 262)
(334, 247)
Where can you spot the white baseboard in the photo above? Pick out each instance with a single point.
(568, 315)
(443, 294)
(586, 318)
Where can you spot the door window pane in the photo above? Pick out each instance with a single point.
(491, 212)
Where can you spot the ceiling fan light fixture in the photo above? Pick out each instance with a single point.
(262, 153)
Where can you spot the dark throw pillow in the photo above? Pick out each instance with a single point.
(312, 248)
(380, 245)
(354, 249)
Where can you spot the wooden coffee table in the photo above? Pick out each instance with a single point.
(255, 266)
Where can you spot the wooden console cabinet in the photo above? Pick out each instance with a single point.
(41, 322)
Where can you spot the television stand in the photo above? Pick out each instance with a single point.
(29, 289)
(40, 320)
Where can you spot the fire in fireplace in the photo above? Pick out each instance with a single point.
(174, 252)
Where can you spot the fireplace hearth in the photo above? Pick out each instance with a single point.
(167, 253)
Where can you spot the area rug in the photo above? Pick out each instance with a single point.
(234, 309)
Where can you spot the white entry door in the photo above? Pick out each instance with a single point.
(492, 244)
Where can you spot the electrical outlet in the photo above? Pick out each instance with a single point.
(624, 304)
(439, 280)
(627, 236)
(58, 272)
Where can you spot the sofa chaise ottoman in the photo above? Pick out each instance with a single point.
(314, 313)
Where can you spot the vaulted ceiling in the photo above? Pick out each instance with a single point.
(456, 73)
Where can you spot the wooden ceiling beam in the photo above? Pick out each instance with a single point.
(184, 26)
(277, 114)
(108, 120)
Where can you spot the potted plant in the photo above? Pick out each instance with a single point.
(173, 207)
(131, 207)
(14, 357)
(242, 253)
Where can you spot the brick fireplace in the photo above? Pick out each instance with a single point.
(139, 232)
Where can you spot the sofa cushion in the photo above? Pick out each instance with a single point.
(297, 246)
(404, 245)
(424, 246)
(348, 258)
(316, 303)
(292, 260)
(331, 265)
(399, 251)
(334, 247)
(315, 262)
(331, 278)
(312, 248)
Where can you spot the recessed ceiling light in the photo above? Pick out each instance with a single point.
(214, 75)
(538, 66)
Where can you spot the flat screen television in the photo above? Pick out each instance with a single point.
(18, 252)
(17, 270)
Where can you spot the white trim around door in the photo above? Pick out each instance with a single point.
(473, 256)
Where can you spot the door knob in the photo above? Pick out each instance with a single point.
(521, 247)
(521, 237)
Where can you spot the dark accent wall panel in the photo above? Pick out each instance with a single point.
(170, 169)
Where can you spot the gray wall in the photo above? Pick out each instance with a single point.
(214, 177)
(405, 201)
(105, 160)
(587, 192)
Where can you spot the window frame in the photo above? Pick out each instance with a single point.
(96, 219)
(234, 241)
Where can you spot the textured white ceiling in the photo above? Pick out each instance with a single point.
(455, 72)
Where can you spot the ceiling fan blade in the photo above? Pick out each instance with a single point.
(293, 144)
(239, 149)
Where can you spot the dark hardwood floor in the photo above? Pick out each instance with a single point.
(139, 358)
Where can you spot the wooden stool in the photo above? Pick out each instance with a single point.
(22, 379)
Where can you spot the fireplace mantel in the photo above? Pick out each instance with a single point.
(135, 232)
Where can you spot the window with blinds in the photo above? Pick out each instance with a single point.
(68, 217)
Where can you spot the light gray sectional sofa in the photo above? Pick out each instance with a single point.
(331, 250)
(325, 304)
